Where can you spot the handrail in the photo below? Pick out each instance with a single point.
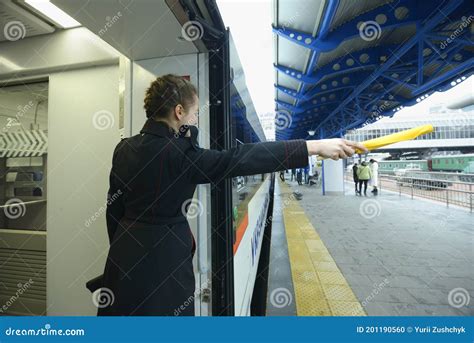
(427, 188)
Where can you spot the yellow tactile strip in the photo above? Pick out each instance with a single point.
(320, 287)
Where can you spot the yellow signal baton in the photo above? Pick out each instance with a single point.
(401, 136)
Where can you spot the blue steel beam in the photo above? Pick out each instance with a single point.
(324, 30)
(370, 119)
(405, 73)
(327, 41)
(345, 64)
(391, 22)
(434, 20)
(298, 75)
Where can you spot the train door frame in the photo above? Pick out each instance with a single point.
(221, 192)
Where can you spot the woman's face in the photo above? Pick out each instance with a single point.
(188, 116)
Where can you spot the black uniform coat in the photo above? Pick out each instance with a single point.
(154, 174)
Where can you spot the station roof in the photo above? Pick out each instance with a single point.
(341, 64)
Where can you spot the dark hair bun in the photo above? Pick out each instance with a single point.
(165, 93)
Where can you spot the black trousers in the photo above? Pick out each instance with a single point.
(365, 185)
(356, 183)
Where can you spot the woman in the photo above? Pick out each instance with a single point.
(363, 174)
(154, 174)
(374, 180)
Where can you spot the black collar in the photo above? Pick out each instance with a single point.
(157, 128)
(161, 129)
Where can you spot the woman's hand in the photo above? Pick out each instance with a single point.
(335, 148)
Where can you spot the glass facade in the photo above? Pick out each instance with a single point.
(441, 132)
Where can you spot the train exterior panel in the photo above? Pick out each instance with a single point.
(457, 163)
(389, 167)
(248, 246)
(250, 194)
(453, 163)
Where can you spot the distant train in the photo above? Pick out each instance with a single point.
(453, 163)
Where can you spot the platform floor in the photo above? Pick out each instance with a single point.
(399, 256)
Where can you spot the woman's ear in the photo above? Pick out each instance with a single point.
(178, 111)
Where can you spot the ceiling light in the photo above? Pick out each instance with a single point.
(54, 13)
(311, 132)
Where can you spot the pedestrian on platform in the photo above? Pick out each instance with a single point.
(293, 174)
(282, 176)
(355, 177)
(363, 174)
(299, 176)
(374, 180)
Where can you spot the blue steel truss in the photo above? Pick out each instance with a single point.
(360, 87)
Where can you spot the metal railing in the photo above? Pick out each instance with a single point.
(442, 187)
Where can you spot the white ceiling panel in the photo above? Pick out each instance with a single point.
(138, 29)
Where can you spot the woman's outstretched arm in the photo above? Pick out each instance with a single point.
(205, 165)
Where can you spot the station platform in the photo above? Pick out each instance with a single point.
(385, 255)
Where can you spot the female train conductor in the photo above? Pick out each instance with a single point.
(149, 265)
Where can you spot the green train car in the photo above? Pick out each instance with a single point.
(454, 163)
(389, 166)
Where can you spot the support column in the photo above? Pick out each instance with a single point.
(333, 177)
